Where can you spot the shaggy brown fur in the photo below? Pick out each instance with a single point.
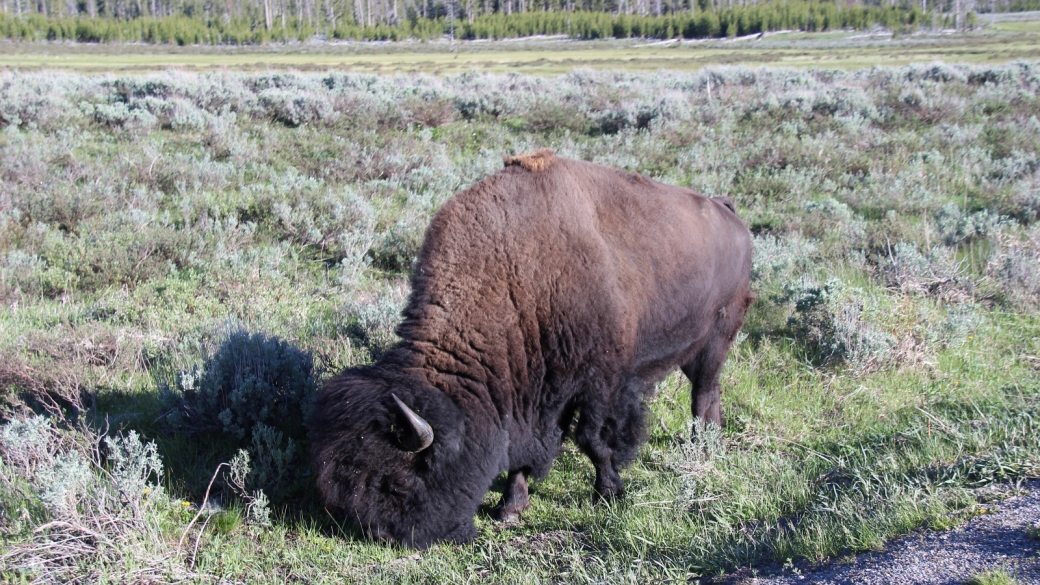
(555, 291)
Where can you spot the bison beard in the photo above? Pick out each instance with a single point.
(552, 291)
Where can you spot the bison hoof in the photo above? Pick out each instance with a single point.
(610, 495)
(509, 513)
(503, 515)
(511, 508)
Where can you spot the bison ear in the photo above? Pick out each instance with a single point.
(421, 436)
(727, 202)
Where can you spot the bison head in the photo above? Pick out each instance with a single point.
(395, 457)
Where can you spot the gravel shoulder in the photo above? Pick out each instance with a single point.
(999, 539)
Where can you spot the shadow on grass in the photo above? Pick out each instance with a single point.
(252, 393)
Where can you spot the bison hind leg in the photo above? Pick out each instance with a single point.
(610, 434)
(704, 370)
(703, 374)
(515, 499)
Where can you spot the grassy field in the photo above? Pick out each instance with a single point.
(1018, 27)
(1002, 43)
(887, 373)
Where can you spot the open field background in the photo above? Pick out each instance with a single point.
(1002, 42)
(173, 238)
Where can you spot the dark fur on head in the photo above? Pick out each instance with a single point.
(385, 490)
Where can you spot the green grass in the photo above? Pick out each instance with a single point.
(1018, 27)
(994, 577)
(141, 218)
(841, 50)
(1033, 530)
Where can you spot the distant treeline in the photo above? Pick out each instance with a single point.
(704, 19)
(722, 22)
(736, 21)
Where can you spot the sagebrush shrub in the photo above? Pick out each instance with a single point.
(254, 392)
(905, 268)
(119, 115)
(373, 324)
(29, 442)
(777, 260)
(695, 459)
(250, 379)
(956, 227)
(1016, 270)
(431, 111)
(100, 516)
(1024, 202)
(548, 115)
(136, 466)
(256, 501)
(397, 248)
(956, 326)
(293, 108)
(829, 320)
(65, 482)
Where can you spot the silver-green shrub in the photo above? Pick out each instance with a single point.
(829, 320)
(255, 392)
(257, 511)
(956, 227)
(695, 459)
(778, 260)
(249, 379)
(294, 108)
(905, 268)
(135, 466)
(277, 458)
(957, 325)
(1015, 269)
(830, 219)
(65, 483)
(101, 515)
(397, 247)
(373, 323)
(1024, 202)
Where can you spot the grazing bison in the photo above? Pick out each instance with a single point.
(556, 289)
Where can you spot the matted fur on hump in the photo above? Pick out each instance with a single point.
(532, 161)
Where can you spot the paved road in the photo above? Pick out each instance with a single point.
(996, 540)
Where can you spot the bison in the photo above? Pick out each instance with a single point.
(547, 299)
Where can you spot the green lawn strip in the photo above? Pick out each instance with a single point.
(842, 50)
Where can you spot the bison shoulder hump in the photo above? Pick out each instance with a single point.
(532, 161)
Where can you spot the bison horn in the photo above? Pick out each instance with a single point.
(422, 429)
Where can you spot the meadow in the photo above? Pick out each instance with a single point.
(185, 257)
(1000, 42)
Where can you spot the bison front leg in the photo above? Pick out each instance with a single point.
(514, 499)
(590, 434)
(610, 435)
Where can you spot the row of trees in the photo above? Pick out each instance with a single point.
(329, 13)
(260, 21)
(731, 22)
(778, 15)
